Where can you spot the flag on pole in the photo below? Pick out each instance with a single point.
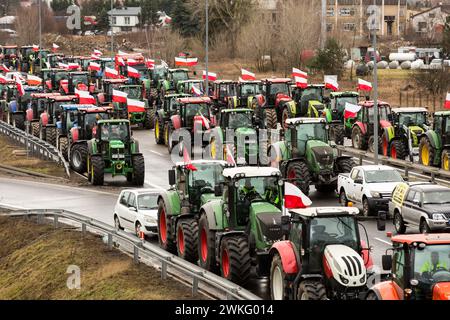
(301, 82)
(247, 75)
(230, 156)
(364, 85)
(4, 68)
(186, 62)
(196, 91)
(447, 101)
(84, 97)
(35, 48)
(150, 63)
(19, 86)
(135, 105)
(121, 61)
(331, 83)
(55, 47)
(111, 73)
(294, 198)
(132, 62)
(33, 80)
(98, 53)
(211, 76)
(119, 96)
(133, 73)
(299, 73)
(205, 121)
(94, 66)
(73, 66)
(351, 110)
(94, 57)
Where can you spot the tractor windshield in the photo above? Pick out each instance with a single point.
(192, 110)
(148, 201)
(92, 118)
(431, 265)
(383, 113)
(258, 188)
(80, 78)
(313, 93)
(312, 131)
(9, 51)
(383, 176)
(412, 119)
(133, 92)
(240, 120)
(180, 76)
(206, 177)
(249, 89)
(276, 88)
(114, 131)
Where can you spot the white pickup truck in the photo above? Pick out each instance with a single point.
(371, 186)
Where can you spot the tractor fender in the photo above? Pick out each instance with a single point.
(92, 147)
(280, 98)
(172, 202)
(176, 121)
(29, 115)
(434, 139)
(385, 291)
(213, 212)
(135, 147)
(385, 124)
(286, 251)
(362, 126)
(75, 134)
(292, 108)
(44, 118)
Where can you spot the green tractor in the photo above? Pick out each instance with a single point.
(310, 101)
(409, 125)
(144, 117)
(179, 207)
(306, 157)
(162, 117)
(340, 127)
(236, 131)
(113, 150)
(26, 57)
(170, 83)
(237, 231)
(434, 147)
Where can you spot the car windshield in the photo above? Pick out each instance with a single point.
(249, 89)
(148, 201)
(180, 76)
(412, 119)
(383, 112)
(436, 197)
(341, 101)
(114, 131)
(133, 92)
(240, 120)
(382, 176)
(279, 88)
(312, 131)
(431, 264)
(206, 175)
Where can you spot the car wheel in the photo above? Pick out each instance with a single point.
(424, 228)
(117, 225)
(343, 198)
(366, 208)
(399, 224)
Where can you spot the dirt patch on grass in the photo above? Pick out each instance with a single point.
(34, 259)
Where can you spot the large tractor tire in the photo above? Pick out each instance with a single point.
(370, 146)
(338, 135)
(271, 119)
(426, 152)
(284, 117)
(97, 170)
(345, 165)
(18, 121)
(35, 129)
(165, 234)
(170, 142)
(206, 249)
(359, 140)
(311, 290)
(279, 286)
(166, 134)
(138, 170)
(50, 135)
(149, 119)
(398, 150)
(64, 147)
(78, 157)
(445, 160)
(235, 260)
(187, 240)
(159, 130)
(298, 174)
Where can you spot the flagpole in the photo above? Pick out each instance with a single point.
(112, 31)
(375, 92)
(40, 36)
(207, 46)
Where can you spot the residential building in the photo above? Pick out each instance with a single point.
(431, 20)
(125, 19)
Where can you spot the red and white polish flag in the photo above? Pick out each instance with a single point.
(98, 53)
(3, 79)
(186, 62)
(33, 80)
(331, 83)
(211, 76)
(19, 86)
(55, 47)
(73, 66)
(135, 105)
(294, 198)
(133, 73)
(299, 73)
(119, 96)
(94, 66)
(351, 110)
(447, 101)
(121, 62)
(247, 75)
(132, 62)
(301, 82)
(63, 66)
(35, 48)
(230, 156)
(111, 73)
(150, 63)
(187, 159)
(364, 85)
(94, 57)
(84, 97)
(196, 91)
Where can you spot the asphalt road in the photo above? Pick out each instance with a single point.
(99, 204)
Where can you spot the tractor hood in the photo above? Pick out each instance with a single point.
(246, 132)
(268, 218)
(321, 152)
(441, 291)
(206, 197)
(116, 144)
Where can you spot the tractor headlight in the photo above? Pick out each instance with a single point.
(343, 279)
(118, 156)
(438, 216)
(375, 194)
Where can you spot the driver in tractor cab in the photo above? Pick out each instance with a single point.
(248, 191)
(271, 195)
(432, 265)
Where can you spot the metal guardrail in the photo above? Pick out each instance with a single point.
(230, 290)
(35, 146)
(407, 166)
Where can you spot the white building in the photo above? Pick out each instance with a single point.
(125, 19)
(431, 20)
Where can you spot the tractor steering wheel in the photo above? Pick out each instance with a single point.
(441, 275)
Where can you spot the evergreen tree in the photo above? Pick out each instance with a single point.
(183, 20)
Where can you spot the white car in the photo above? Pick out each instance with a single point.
(136, 210)
(89, 33)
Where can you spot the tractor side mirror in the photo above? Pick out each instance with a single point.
(386, 261)
(285, 225)
(218, 191)
(172, 178)
(381, 221)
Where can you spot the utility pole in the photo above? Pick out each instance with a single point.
(40, 35)
(375, 88)
(207, 46)
(324, 24)
(112, 32)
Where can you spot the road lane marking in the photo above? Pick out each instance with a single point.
(154, 185)
(155, 152)
(381, 240)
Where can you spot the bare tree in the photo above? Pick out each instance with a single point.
(172, 43)
(27, 23)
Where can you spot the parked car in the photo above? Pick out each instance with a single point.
(421, 205)
(136, 210)
(89, 33)
(371, 186)
(436, 64)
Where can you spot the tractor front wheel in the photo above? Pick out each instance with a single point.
(35, 129)
(426, 152)
(235, 259)
(298, 174)
(271, 119)
(345, 165)
(284, 117)
(206, 250)
(279, 286)
(78, 157)
(64, 147)
(398, 150)
(159, 130)
(311, 290)
(445, 160)
(338, 134)
(385, 150)
(97, 170)
(187, 242)
(138, 170)
(165, 236)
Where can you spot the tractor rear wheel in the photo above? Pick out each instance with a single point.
(64, 147)
(206, 249)
(159, 130)
(398, 150)
(138, 170)
(187, 242)
(445, 160)
(35, 129)
(19, 121)
(271, 119)
(371, 145)
(359, 140)
(165, 235)
(284, 117)
(78, 157)
(50, 135)
(279, 286)
(426, 152)
(97, 170)
(235, 261)
(311, 290)
(149, 119)
(338, 134)
(298, 173)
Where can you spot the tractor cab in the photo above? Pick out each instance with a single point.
(53, 106)
(222, 91)
(187, 87)
(82, 117)
(441, 126)
(419, 267)
(304, 96)
(236, 119)
(133, 91)
(158, 73)
(108, 85)
(53, 59)
(245, 92)
(193, 112)
(366, 115)
(9, 56)
(337, 103)
(54, 78)
(170, 83)
(434, 146)
(37, 105)
(309, 137)
(76, 80)
(27, 56)
(274, 90)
